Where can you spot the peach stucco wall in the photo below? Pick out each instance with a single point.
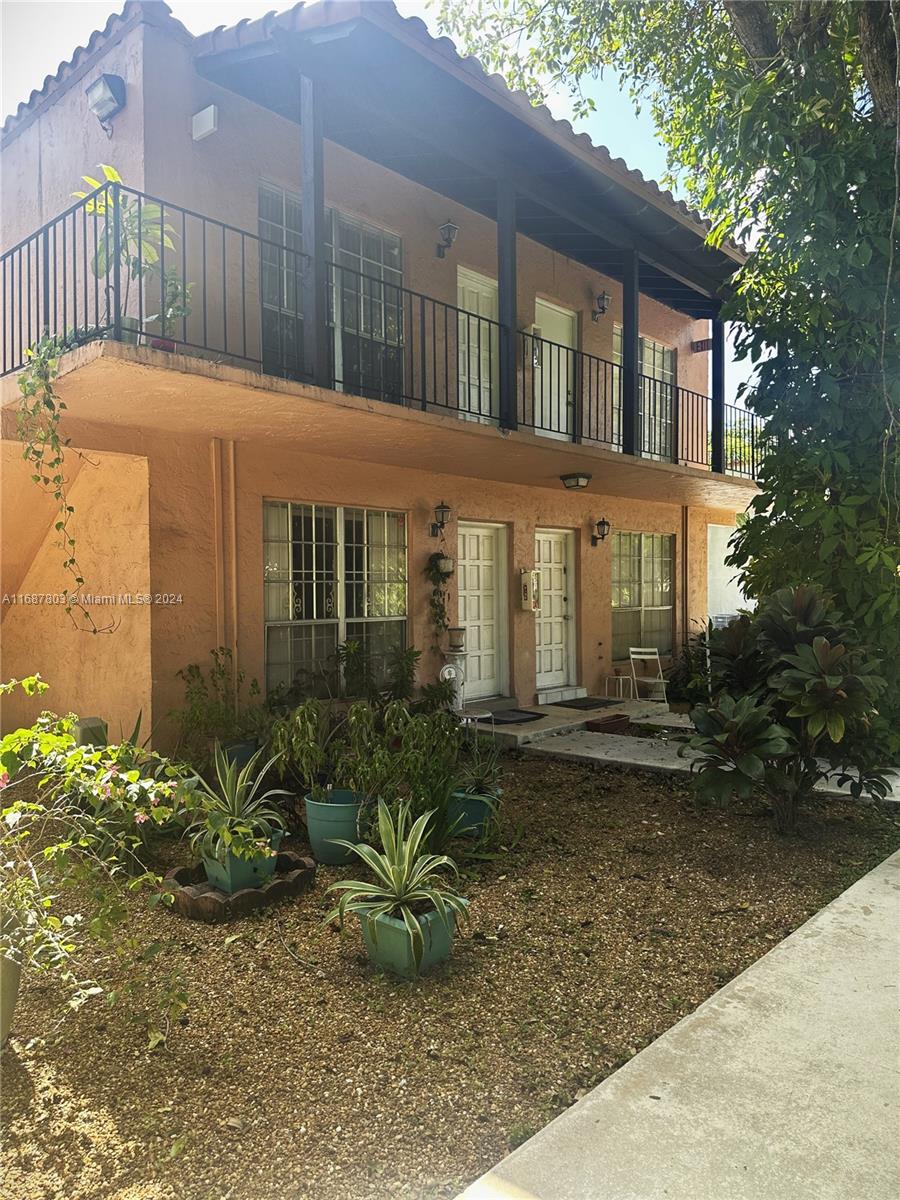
(106, 673)
(203, 501)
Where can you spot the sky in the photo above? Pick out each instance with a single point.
(37, 35)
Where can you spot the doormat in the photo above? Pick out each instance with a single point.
(513, 716)
(585, 702)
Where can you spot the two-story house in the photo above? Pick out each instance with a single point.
(354, 302)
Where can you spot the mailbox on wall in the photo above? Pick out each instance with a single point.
(530, 590)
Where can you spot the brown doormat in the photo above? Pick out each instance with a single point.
(614, 723)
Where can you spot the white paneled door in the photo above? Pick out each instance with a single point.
(481, 583)
(554, 369)
(554, 624)
(478, 344)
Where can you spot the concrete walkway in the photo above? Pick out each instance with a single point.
(650, 754)
(784, 1085)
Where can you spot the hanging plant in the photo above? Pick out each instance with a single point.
(438, 571)
(37, 419)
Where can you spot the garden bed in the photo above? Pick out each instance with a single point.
(298, 1072)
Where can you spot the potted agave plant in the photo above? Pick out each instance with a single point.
(237, 830)
(407, 913)
(477, 798)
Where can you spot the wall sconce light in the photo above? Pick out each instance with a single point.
(106, 98)
(602, 527)
(449, 233)
(601, 305)
(577, 482)
(441, 513)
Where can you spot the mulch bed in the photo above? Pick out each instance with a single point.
(299, 1074)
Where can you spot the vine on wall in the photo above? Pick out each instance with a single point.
(37, 418)
(438, 602)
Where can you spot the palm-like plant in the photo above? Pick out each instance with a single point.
(235, 816)
(407, 883)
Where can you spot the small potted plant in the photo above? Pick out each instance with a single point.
(407, 914)
(176, 305)
(477, 799)
(310, 753)
(237, 830)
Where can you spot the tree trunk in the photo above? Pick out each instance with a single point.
(785, 808)
(754, 29)
(878, 51)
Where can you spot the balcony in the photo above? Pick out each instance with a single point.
(114, 267)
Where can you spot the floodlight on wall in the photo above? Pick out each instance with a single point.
(577, 482)
(601, 305)
(441, 515)
(602, 526)
(106, 98)
(448, 234)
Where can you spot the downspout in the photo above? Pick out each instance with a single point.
(685, 573)
(232, 540)
(215, 457)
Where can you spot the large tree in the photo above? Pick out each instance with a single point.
(781, 126)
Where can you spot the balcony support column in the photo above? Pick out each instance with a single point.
(507, 302)
(717, 415)
(313, 278)
(631, 434)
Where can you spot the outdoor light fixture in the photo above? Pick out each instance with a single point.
(601, 305)
(448, 233)
(576, 483)
(602, 531)
(441, 513)
(106, 98)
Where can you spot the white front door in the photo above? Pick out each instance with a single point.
(553, 627)
(478, 344)
(554, 369)
(481, 584)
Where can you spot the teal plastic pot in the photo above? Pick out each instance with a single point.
(235, 874)
(337, 817)
(389, 945)
(240, 752)
(472, 812)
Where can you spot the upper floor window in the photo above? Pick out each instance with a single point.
(365, 299)
(657, 364)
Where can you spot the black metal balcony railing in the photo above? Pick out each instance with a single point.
(124, 265)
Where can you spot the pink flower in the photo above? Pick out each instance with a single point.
(141, 817)
(4, 779)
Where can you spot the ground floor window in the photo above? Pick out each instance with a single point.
(331, 575)
(643, 594)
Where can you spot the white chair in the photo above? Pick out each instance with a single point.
(655, 683)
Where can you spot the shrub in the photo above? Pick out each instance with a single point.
(794, 696)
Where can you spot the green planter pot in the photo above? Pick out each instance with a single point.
(334, 818)
(390, 948)
(236, 874)
(10, 977)
(472, 812)
(131, 330)
(240, 752)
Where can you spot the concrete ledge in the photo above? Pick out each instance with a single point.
(781, 1086)
(653, 754)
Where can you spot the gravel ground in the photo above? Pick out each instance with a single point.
(299, 1074)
